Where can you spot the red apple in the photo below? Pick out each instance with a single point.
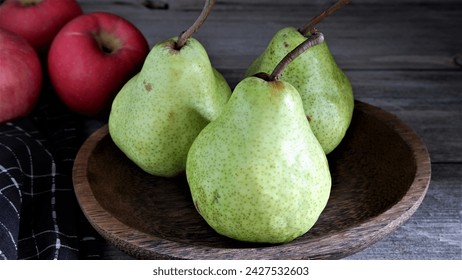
(38, 21)
(20, 76)
(92, 57)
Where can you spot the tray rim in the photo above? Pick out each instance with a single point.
(150, 246)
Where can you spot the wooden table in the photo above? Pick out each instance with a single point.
(403, 57)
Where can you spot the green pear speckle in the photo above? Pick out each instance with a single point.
(257, 172)
(325, 90)
(156, 116)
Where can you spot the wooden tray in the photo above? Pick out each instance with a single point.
(381, 172)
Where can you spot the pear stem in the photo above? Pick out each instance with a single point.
(315, 39)
(185, 35)
(310, 27)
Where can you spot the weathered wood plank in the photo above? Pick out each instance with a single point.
(428, 101)
(197, 4)
(361, 36)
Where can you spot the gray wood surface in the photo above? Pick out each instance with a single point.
(402, 56)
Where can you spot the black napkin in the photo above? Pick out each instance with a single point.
(39, 214)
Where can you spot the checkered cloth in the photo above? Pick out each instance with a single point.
(39, 214)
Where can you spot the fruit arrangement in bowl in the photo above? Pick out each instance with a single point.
(280, 166)
(256, 170)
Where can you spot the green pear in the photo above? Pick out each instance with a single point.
(257, 173)
(159, 112)
(325, 90)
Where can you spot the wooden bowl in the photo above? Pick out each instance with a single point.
(381, 172)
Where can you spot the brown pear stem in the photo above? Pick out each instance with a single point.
(309, 28)
(184, 36)
(315, 39)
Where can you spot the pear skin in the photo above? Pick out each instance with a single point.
(325, 90)
(257, 172)
(158, 113)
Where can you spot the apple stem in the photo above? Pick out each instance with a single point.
(310, 27)
(316, 38)
(185, 35)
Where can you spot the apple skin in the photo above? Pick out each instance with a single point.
(38, 21)
(20, 76)
(92, 57)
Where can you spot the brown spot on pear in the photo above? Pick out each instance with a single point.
(147, 86)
